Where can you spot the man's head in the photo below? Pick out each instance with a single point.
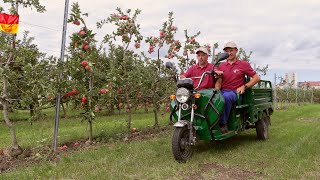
(232, 49)
(202, 55)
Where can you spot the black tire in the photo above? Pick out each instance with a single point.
(262, 127)
(181, 149)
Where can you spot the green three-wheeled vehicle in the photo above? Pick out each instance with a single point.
(196, 114)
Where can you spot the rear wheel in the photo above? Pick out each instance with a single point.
(181, 149)
(262, 127)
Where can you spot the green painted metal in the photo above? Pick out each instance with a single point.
(205, 114)
(248, 109)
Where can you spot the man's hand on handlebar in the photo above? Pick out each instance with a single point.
(182, 76)
(218, 74)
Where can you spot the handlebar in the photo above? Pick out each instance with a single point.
(201, 79)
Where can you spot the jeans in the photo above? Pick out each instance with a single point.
(230, 96)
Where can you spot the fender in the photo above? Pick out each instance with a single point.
(181, 123)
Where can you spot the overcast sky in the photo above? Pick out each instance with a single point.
(283, 34)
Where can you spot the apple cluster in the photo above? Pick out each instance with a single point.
(71, 93)
(86, 65)
(84, 100)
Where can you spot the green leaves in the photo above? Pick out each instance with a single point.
(33, 4)
(75, 15)
(127, 27)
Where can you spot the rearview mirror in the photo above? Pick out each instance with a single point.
(169, 65)
(222, 56)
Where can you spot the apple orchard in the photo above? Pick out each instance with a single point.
(108, 77)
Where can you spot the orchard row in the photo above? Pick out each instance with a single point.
(115, 74)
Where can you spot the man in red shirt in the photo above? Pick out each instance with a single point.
(233, 80)
(195, 71)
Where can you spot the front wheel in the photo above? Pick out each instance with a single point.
(262, 127)
(181, 148)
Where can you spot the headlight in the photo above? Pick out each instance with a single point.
(182, 95)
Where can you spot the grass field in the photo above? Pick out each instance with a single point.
(292, 152)
(41, 132)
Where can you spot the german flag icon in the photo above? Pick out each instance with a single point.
(9, 23)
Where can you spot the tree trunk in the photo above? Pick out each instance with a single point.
(129, 119)
(31, 106)
(111, 110)
(311, 96)
(146, 107)
(156, 120)
(90, 130)
(75, 105)
(64, 111)
(296, 95)
(90, 108)
(16, 149)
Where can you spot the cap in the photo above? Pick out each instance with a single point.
(202, 49)
(230, 44)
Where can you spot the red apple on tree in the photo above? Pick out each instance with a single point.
(103, 91)
(192, 40)
(70, 93)
(83, 100)
(76, 22)
(162, 34)
(173, 28)
(97, 108)
(74, 91)
(84, 63)
(65, 95)
(50, 97)
(137, 45)
(87, 67)
(82, 33)
(151, 49)
(86, 46)
(124, 17)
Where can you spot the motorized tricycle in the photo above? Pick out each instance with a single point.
(196, 113)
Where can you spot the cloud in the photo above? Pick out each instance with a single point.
(283, 34)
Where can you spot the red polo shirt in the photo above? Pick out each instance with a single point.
(234, 74)
(197, 71)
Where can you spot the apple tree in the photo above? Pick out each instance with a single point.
(8, 54)
(29, 77)
(82, 67)
(157, 84)
(124, 72)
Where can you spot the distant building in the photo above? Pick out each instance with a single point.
(310, 84)
(290, 80)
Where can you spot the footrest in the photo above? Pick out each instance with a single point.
(242, 106)
(219, 136)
